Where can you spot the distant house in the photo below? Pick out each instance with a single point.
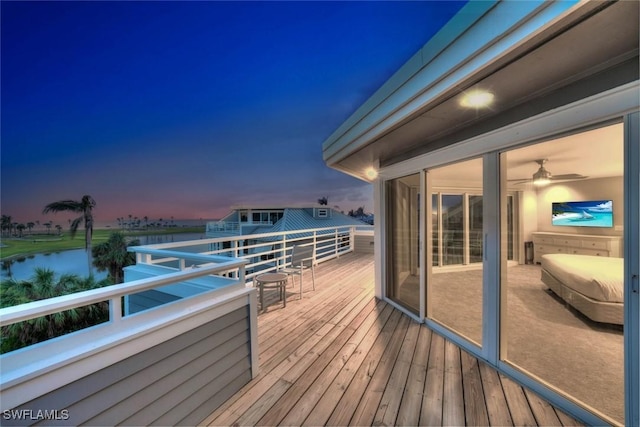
(267, 225)
(260, 220)
(510, 109)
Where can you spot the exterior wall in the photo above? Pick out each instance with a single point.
(178, 382)
(364, 244)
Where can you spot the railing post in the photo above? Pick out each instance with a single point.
(283, 260)
(336, 242)
(352, 239)
(115, 309)
(315, 247)
(242, 275)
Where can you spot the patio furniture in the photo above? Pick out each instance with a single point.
(272, 280)
(302, 258)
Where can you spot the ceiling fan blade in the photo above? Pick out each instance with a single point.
(568, 176)
(519, 181)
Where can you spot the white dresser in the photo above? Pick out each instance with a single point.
(579, 244)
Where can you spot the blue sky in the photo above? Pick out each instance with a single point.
(185, 109)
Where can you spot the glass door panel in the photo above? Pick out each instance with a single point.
(550, 328)
(403, 278)
(455, 279)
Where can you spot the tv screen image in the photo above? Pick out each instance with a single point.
(592, 213)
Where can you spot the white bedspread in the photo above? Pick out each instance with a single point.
(600, 278)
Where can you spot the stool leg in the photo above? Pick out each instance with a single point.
(283, 290)
(261, 295)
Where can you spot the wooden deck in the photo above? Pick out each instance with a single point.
(339, 356)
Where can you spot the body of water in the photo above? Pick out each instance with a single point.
(75, 261)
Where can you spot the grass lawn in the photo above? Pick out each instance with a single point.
(43, 243)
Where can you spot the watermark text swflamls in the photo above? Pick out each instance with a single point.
(36, 414)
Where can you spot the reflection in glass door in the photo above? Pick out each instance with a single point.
(403, 213)
(455, 279)
(452, 213)
(475, 229)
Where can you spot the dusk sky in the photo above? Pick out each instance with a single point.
(186, 109)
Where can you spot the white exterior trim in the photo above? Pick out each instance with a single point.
(598, 108)
(632, 269)
(379, 232)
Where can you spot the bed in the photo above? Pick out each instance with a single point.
(592, 285)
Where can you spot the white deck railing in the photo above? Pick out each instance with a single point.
(228, 263)
(113, 293)
(239, 258)
(41, 367)
(266, 252)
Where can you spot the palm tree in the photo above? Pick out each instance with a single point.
(6, 223)
(30, 226)
(20, 227)
(113, 256)
(44, 284)
(84, 207)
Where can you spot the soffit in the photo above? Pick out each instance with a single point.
(546, 64)
(595, 153)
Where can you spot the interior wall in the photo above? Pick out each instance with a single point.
(588, 189)
(529, 208)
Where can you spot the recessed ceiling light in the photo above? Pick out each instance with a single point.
(371, 173)
(476, 99)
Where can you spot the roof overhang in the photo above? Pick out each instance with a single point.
(533, 56)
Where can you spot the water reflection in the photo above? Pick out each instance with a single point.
(75, 261)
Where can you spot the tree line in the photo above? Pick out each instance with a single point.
(12, 228)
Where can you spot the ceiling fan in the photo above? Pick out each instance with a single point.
(544, 177)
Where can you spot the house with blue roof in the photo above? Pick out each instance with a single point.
(262, 220)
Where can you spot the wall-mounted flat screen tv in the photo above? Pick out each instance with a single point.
(592, 213)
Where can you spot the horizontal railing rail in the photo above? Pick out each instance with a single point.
(113, 293)
(227, 226)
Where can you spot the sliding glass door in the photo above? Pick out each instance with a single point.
(455, 276)
(403, 208)
(559, 325)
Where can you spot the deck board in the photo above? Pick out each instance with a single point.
(409, 412)
(338, 356)
(475, 406)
